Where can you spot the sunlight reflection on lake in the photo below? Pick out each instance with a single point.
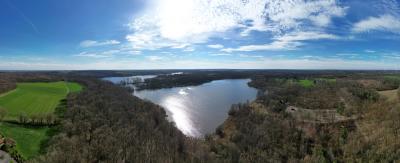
(199, 110)
(180, 115)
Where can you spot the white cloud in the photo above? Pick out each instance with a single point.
(109, 53)
(302, 36)
(132, 52)
(395, 56)
(94, 55)
(169, 23)
(221, 54)
(216, 46)
(92, 43)
(347, 54)
(288, 41)
(276, 45)
(189, 49)
(104, 54)
(154, 58)
(370, 51)
(387, 23)
(180, 46)
(250, 56)
(293, 13)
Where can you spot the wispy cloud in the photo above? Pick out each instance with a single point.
(347, 54)
(369, 51)
(94, 55)
(189, 49)
(286, 42)
(221, 54)
(132, 52)
(276, 45)
(92, 43)
(154, 58)
(169, 23)
(250, 56)
(216, 46)
(395, 56)
(109, 53)
(385, 22)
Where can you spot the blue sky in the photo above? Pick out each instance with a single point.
(182, 34)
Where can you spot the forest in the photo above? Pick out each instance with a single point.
(298, 116)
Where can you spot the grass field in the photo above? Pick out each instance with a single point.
(35, 98)
(392, 77)
(28, 139)
(306, 83)
(31, 99)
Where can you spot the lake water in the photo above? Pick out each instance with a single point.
(117, 80)
(199, 110)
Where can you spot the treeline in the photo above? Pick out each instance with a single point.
(38, 120)
(197, 77)
(8, 80)
(189, 79)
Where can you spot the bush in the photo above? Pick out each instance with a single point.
(365, 94)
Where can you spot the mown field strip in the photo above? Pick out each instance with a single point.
(32, 99)
(35, 98)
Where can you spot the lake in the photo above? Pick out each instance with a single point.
(199, 110)
(117, 80)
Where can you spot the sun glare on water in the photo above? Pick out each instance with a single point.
(179, 110)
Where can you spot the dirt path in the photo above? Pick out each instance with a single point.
(5, 94)
(66, 87)
(317, 116)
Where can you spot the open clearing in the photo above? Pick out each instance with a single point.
(306, 83)
(391, 95)
(35, 98)
(28, 140)
(32, 99)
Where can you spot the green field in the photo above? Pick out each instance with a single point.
(306, 83)
(396, 77)
(32, 99)
(35, 98)
(28, 140)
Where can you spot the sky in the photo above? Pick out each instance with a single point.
(199, 34)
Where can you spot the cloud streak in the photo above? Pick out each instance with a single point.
(385, 22)
(23, 16)
(92, 43)
(289, 41)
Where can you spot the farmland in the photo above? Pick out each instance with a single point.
(35, 98)
(30, 100)
(306, 83)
